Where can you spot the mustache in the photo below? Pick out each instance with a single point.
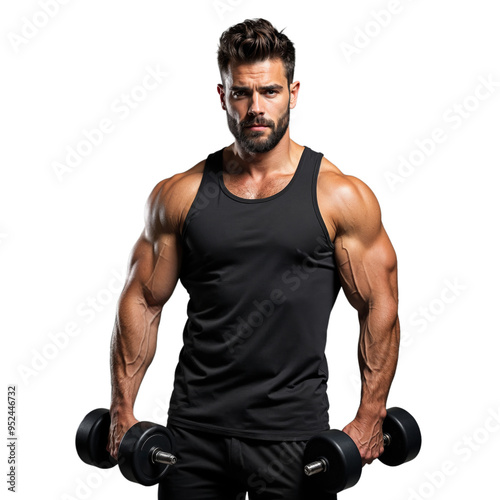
(253, 123)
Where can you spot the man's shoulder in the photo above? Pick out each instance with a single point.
(169, 201)
(348, 202)
(180, 184)
(337, 186)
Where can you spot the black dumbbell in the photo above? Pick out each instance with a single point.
(332, 459)
(142, 455)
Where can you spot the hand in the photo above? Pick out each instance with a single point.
(117, 429)
(368, 436)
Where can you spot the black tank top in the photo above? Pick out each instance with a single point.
(262, 282)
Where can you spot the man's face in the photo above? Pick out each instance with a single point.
(257, 100)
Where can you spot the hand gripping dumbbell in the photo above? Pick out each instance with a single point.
(333, 462)
(144, 452)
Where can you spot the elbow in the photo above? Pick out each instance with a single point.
(150, 300)
(135, 304)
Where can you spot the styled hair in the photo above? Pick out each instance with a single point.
(255, 40)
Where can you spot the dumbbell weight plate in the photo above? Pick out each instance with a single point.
(92, 439)
(342, 456)
(406, 438)
(134, 453)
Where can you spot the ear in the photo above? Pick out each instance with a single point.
(222, 95)
(294, 93)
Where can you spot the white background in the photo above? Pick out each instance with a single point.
(376, 78)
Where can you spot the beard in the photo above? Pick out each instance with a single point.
(251, 140)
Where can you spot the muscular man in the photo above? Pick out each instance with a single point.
(262, 234)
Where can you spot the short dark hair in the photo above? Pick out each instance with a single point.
(255, 40)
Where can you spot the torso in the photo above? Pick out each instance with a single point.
(237, 256)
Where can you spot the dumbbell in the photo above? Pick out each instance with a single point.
(333, 462)
(142, 455)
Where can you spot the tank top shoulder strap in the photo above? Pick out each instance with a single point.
(208, 185)
(306, 175)
(213, 167)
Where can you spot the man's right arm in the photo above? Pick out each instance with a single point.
(152, 276)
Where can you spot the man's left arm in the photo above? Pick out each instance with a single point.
(368, 271)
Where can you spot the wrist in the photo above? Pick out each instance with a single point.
(121, 411)
(372, 412)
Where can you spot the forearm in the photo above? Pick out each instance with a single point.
(133, 347)
(378, 356)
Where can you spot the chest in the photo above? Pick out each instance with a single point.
(252, 190)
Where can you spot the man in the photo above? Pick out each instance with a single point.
(263, 233)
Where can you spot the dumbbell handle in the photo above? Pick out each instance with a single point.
(159, 456)
(315, 467)
(321, 464)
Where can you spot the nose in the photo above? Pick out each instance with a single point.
(255, 105)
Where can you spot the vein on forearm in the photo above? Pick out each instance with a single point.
(134, 353)
(133, 345)
(378, 352)
(375, 299)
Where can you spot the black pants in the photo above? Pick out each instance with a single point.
(215, 467)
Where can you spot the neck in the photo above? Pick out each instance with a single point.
(280, 158)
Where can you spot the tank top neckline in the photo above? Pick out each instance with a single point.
(226, 191)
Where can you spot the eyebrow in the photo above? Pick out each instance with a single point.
(272, 86)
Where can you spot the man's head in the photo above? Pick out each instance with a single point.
(256, 64)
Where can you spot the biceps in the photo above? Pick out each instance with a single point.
(368, 273)
(154, 268)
